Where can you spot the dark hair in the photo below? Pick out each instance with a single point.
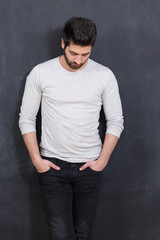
(80, 31)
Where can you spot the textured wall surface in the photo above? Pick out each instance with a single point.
(128, 42)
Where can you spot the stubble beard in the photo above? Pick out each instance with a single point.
(73, 64)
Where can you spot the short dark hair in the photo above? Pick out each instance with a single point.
(80, 31)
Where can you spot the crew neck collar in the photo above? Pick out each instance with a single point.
(74, 72)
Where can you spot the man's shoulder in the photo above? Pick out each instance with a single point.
(44, 68)
(99, 67)
(51, 63)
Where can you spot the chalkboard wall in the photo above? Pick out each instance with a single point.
(128, 42)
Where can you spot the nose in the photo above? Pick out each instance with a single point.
(78, 59)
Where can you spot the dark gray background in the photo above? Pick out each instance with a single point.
(129, 43)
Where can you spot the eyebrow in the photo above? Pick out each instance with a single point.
(79, 54)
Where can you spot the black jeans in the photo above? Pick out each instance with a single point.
(70, 198)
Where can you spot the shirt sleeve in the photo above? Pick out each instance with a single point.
(112, 106)
(30, 103)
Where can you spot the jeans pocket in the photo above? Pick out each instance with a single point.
(92, 170)
(45, 171)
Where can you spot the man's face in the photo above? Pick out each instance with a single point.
(76, 56)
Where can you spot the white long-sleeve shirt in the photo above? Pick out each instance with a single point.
(70, 107)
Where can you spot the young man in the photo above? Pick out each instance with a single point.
(71, 89)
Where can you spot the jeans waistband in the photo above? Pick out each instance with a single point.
(62, 162)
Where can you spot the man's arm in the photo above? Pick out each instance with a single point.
(114, 122)
(108, 147)
(40, 164)
(27, 120)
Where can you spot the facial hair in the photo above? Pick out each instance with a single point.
(71, 64)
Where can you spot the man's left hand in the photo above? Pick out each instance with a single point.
(96, 165)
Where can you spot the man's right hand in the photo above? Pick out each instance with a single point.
(44, 165)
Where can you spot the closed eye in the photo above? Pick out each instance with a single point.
(85, 54)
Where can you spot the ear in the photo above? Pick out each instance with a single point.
(62, 43)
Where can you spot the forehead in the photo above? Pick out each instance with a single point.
(79, 49)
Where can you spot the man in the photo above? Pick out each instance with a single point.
(71, 89)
